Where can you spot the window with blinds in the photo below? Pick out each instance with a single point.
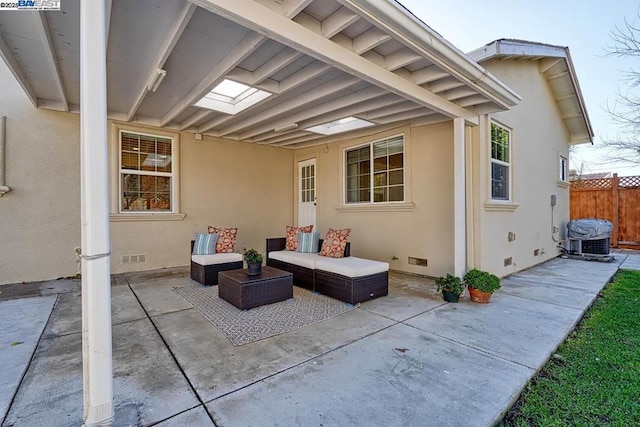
(374, 173)
(146, 172)
(500, 162)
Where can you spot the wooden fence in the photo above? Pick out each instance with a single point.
(616, 199)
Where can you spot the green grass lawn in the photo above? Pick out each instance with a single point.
(594, 379)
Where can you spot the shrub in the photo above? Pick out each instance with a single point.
(482, 280)
(252, 257)
(450, 283)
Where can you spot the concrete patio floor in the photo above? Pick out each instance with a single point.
(406, 359)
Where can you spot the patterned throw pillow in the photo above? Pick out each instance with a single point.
(205, 244)
(226, 239)
(335, 242)
(292, 236)
(308, 242)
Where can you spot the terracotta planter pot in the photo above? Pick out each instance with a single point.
(479, 296)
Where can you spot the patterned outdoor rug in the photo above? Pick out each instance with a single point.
(245, 326)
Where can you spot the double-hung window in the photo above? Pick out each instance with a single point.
(146, 173)
(563, 173)
(374, 173)
(500, 162)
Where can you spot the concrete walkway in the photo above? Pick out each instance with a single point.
(406, 359)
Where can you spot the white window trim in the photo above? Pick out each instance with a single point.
(563, 182)
(364, 206)
(509, 201)
(115, 184)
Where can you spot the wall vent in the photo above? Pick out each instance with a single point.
(131, 259)
(536, 252)
(508, 261)
(418, 261)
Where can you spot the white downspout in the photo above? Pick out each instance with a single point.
(459, 199)
(94, 194)
(3, 140)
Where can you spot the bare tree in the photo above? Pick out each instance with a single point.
(625, 146)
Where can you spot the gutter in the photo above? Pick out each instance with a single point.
(3, 139)
(402, 24)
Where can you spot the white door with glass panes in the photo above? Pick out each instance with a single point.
(307, 193)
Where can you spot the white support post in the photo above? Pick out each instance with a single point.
(459, 199)
(96, 280)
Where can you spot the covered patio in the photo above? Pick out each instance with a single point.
(282, 76)
(391, 361)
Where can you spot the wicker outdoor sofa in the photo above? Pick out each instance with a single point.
(347, 279)
(205, 268)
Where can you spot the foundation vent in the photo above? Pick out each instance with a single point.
(508, 261)
(536, 252)
(418, 261)
(133, 259)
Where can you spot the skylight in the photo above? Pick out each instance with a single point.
(232, 97)
(341, 125)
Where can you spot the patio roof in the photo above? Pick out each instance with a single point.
(556, 65)
(320, 61)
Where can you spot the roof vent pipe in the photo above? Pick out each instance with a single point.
(3, 138)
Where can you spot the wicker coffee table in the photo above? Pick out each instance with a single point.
(245, 291)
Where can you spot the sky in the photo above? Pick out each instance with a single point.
(584, 26)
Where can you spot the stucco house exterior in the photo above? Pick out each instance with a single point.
(353, 114)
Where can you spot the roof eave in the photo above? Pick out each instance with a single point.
(403, 25)
(507, 47)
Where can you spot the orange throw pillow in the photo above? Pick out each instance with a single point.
(226, 239)
(292, 236)
(335, 242)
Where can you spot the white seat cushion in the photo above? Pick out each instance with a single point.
(352, 266)
(220, 258)
(297, 258)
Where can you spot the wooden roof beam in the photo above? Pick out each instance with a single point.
(428, 74)
(335, 110)
(215, 76)
(400, 59)
(170, 40)
(308, 73)
(291, 8)
(16, 70)
(49, 52)
(368, 40)
(194, 118)
(337, 21)
(274, 65)
(325, 89)
(255, 16)
(305, 114)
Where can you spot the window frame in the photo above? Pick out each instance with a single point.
(563, 170)
(508, 165)
(115, 170)
(371, 201)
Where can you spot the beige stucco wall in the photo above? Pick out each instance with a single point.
(424, 230)
(538, 138)
(40, 216)
(230, 183)
(222, 183)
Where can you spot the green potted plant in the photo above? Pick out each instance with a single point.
(481, 285)
(451, 287)
(253, 259)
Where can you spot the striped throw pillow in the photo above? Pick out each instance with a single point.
(205, 244)
(308, 242)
